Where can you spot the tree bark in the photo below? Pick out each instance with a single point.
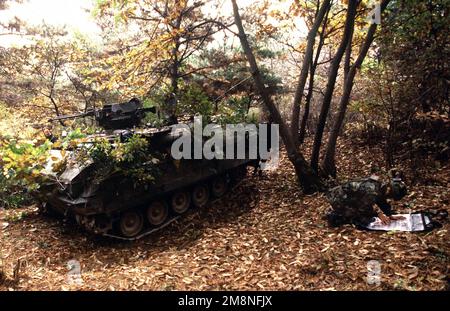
(349, 24)
(328, 164)
(174, 73)
(302, 131)
(308, 180)
(312, 72)
(174, 76)
(305, 67)
(348, 56)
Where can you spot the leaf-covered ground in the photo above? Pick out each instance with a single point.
(265, 235)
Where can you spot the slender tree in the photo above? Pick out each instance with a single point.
(326, 103)
(305, 67)
(328, 164)
(309, 181)
(312, 72)
(171, 32)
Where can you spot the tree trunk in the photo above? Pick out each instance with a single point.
(349, 24)
(172, 100)
(302, 132)
(304, 71)
(312, 72)
(329, 164)
(348, 56)
(174, 73)
(309, 181)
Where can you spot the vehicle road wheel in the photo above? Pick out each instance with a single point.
(157, 213)
(180, 202)
(219, 186)
(131, 223)
(200, 195)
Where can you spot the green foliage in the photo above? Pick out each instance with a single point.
(229, 75)
(194, 101)
(405, 87)
(414, 45)
(21, 163)
(157, 98)
(72, 138)
(152, 118)
(11, 196)
(131, 158)
(235, 110)
(265, 53)
(100, 152)
(133, 150)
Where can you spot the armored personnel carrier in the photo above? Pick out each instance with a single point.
(124, 203)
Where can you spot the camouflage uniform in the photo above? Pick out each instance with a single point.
(353, 201)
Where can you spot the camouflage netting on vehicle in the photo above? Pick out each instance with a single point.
(130, 158)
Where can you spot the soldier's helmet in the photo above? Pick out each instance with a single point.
(399, 189)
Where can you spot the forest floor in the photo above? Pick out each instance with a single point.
(265, 235)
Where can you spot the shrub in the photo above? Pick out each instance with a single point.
(131, 158)
(21, 162)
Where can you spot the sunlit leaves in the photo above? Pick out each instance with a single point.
(21, 162)
(160, 35)
(131, 158)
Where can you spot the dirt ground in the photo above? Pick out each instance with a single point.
(265, 235)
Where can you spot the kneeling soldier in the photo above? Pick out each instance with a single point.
(359, 201)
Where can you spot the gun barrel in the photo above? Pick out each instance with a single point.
(72, 116)
(113, 116)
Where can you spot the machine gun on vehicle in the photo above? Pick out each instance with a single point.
(114, 116)
(130, 197)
